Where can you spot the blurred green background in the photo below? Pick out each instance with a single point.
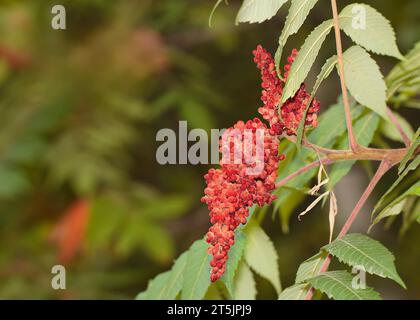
(79, 112)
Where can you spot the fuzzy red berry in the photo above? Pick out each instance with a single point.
(291, 112)
(237, 185)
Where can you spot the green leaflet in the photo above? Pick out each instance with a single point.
(368, 28)
(244, 284)
(298, 11)
(396, 206)
(295, 292)
(411, 166)
(261, 255)
(411, 213)
(310, 267)
(167, 285)
(155, 287)
(338, 285)
(405, 73)
(364, 130)
(305, 59)
(413, 147)
(173, 284)
(362, 72)
(197, 272)
(358, 249)
(258, 10)
(235, 256)
(325, 72)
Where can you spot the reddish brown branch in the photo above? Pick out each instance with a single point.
(352, 140)
(383, 168)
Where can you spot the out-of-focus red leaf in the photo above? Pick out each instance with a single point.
(70, 230)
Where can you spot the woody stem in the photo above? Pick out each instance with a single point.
(352, 140)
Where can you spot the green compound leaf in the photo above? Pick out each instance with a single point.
(310, 267)
(357, 249)
(197, 272)
(362, 72)
(338, 285)
(261, 255)
(258, 10)
(413, 147)
(368, 28)
(244, 284)
(298, 11)
(295, 292)
(235, 256)
(305, 59)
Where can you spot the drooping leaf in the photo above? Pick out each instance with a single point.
(357, 249)
(244, 284)
(261, 255)
(411, 213)
(298, 11)
(305, 59)
(415, 144)
(235, 256)
(295, 292)
(325, 72)
(370, 29)
(258, 10)
(338, 285)
(396, 206)
(411, 166)
(362, 72)
(197, 272)
(403, 76)
(364, 130)
(310, 267)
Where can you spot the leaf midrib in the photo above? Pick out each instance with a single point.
(363, 253)
(344, 285)
(313, 44)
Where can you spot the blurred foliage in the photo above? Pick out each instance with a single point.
(80, 108)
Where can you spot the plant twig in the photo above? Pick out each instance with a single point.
(397, 125)
(308, 167)
(382, 169)
(352, 140)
